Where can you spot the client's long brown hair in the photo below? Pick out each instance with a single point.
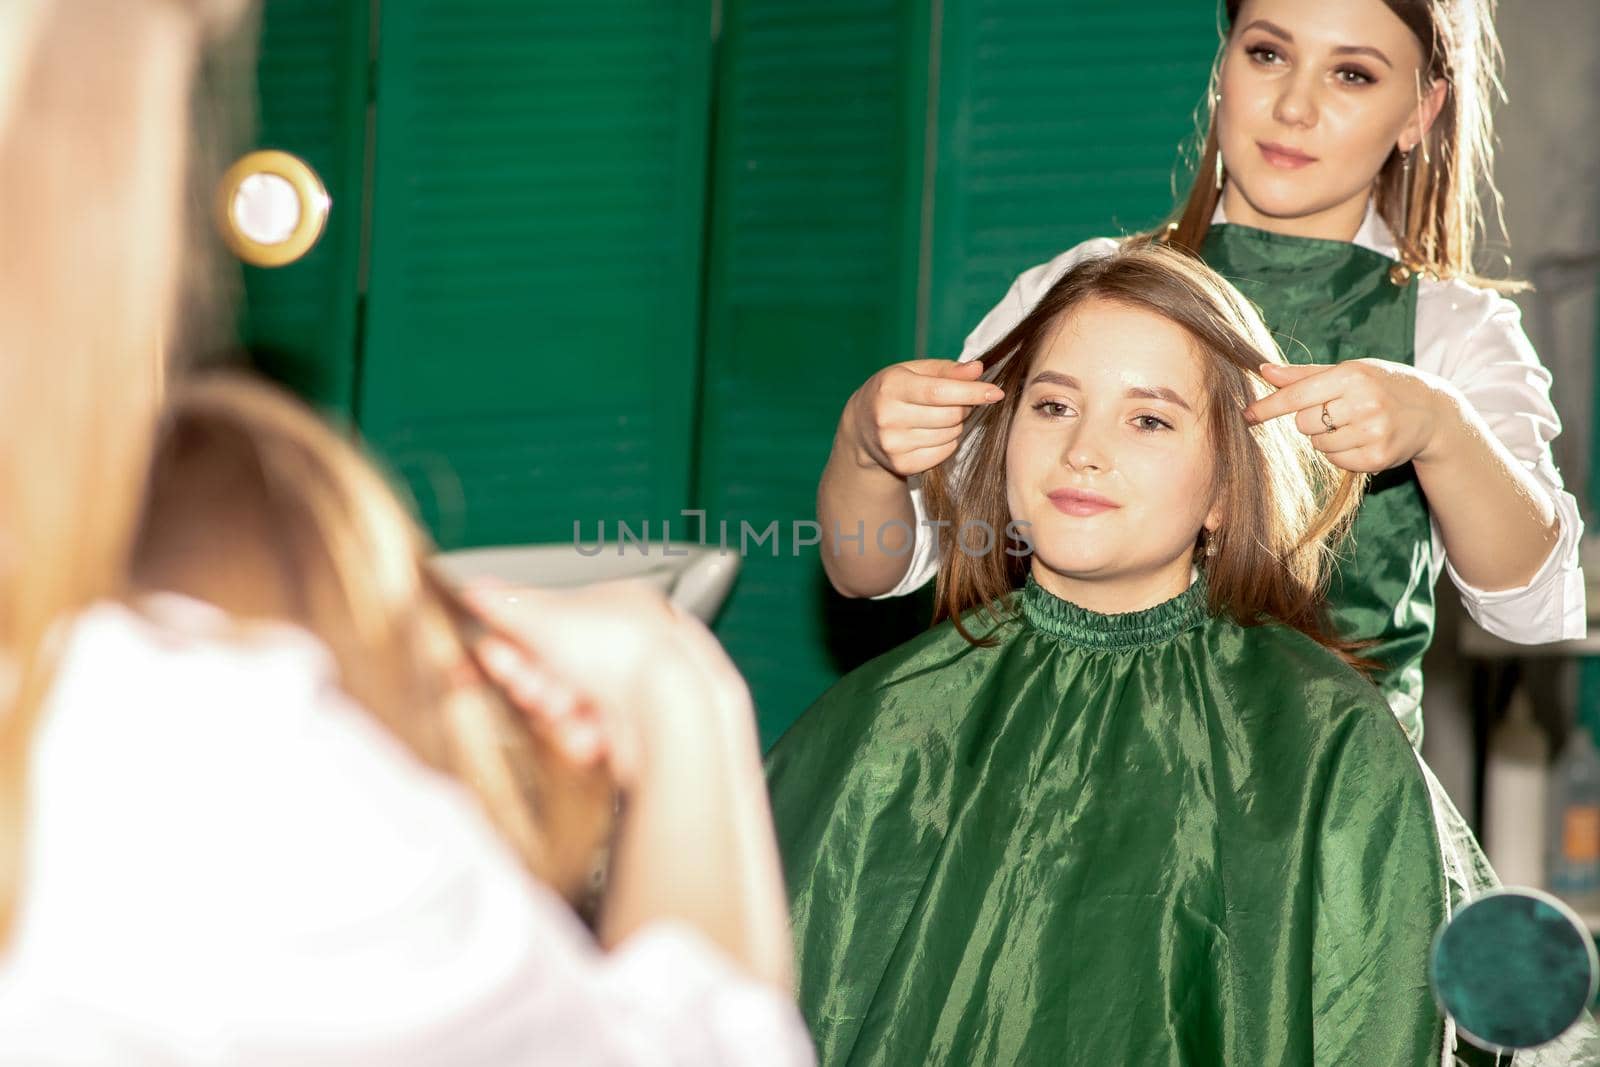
(1284, 506)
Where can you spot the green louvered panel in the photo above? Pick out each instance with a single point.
(300, 320)
(1058, 120)
(816, 208)
(533, 305)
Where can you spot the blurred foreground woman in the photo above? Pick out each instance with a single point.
(235, 826)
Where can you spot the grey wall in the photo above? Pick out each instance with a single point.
(1548, 171)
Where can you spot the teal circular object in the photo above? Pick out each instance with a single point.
(1514, 969)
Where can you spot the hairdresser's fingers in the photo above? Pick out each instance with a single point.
(1282, 374)
(1362, 452)
(1311, 390)
(919, 381)
(903, 442)
(1328, 417)
(925, 459)
(906, 415)
(935, 391)
(920, 394)
(943, 368)
(1363, 460)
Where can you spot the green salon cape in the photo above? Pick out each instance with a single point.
(1148, 839)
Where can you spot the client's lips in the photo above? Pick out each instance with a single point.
(1081, 502)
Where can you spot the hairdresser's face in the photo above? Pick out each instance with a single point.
(1109, 458)
(1315, 95)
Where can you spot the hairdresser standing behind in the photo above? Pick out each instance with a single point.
(1339, 191)
(209, 853)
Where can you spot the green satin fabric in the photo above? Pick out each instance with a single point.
(1327, 302)
(1158, 838)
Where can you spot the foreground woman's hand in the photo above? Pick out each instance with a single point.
(606, 669)
(674, 720)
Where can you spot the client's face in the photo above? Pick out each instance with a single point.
(1109, 458)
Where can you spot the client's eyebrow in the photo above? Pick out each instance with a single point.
(1050, 377)
(1141, 392)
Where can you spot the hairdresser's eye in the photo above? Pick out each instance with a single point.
(1052, 409)
(1151, 423)
(1265, 55)
(1353, 76)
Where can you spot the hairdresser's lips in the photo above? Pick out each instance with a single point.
(1283, 156)
(1081, 502)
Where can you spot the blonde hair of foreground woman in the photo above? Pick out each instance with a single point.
(92, 167)
(91, 198)
(92, 158)
(257, 507)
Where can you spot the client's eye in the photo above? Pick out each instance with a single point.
(1052, 409)
(1151, 423)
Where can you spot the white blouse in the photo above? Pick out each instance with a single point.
(1470, 337)
(229, 862)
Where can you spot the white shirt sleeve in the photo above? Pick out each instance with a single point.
(1473, 338)
(1024, 293)
(231, 863)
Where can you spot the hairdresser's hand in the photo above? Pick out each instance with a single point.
(907, 417)
(1384, 414)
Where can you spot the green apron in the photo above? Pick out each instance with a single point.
(1327, 302)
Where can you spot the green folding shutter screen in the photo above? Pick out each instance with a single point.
(811, 288)
(836, 250)
(300, 320)
(533, 304)
(533, 351)
(1059, 120)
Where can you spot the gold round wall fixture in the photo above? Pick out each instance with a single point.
(271, 208)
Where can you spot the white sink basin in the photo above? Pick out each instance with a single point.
(697, 581)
